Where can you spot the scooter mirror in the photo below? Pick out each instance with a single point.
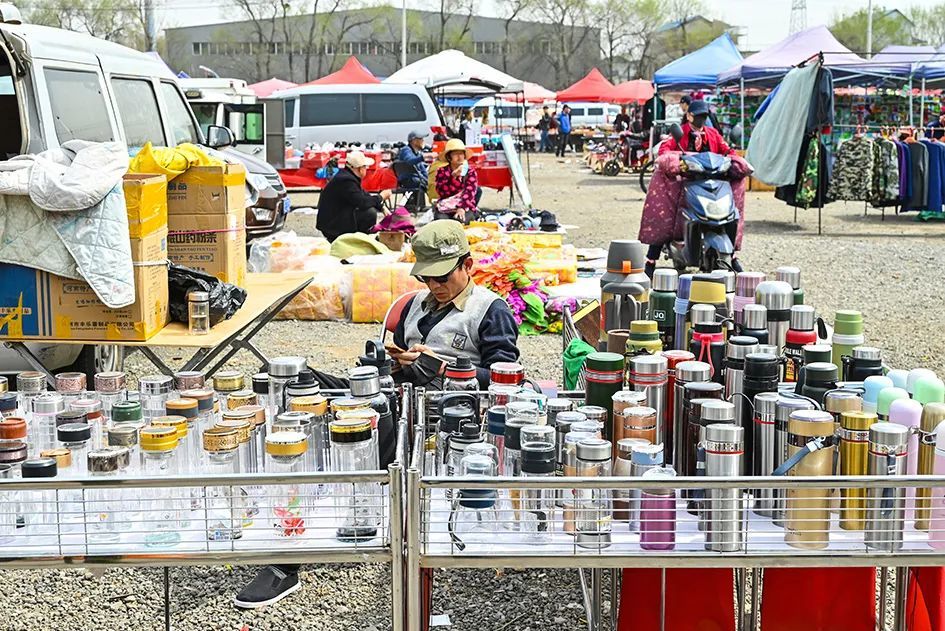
(676, 132)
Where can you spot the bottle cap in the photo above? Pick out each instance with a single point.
(198, 296)
(291, 421)
(599, 361)
(177, 423)
(110, 382)
(702, 314)
(203, 397)
(838, 401)
(155, 384)
(49, 403)
(714, 411)
(495, 419)
(766, 403)
(727, 437)
(728, 278)
(63, 457)
(644, 330)
(648, 365)
(594, 413)
(558, 406)
(12, 451)
(755, 317)
(802, 318)
(182, 407)
(900, 377)
(243, 426)
(890, 437)
(691, 371)
(158, 438)
(106, 460)
(810, 423)
(867, 353)
(257, 412)
(747, 282)
(365, 381)
(316, 404)
(625, 446)
(647, 455)
(538, 458)
(873, 385)
(462, 368)
(510, 373)
(73, 432)
(189, 380)
(929, 390)
(228, 381)
(31, 381)
(857, 421)
(7, 401)
(126, 411)
(847, 322)
(886, 397)
(665, 279)
(240, 398)
(302, 385)
(915, 374)
(707, 289)
(762, 366)
(349, 430)
(71, 416)
(595, 449)
(4, 384)
(350, 403)
(787, 405)
(70, 382)
(375, 355)
(790, 275)
(286, 366)
(774, 295)
(739, 346)
(217, 439)
(261, 383)
(905, 412)
(122, 436)
(820, 372)
(12, 428)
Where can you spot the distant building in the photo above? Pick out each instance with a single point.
(302, 48)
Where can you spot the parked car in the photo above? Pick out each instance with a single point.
(590, 114)
(365, 113)
(58, 85)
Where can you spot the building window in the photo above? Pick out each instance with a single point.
(197, 50)
(329, 49)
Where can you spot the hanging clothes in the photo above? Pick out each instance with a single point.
(935, 175)
(905, 173)
(820, 115)
(813, 176)
(885, 173)
(919, 163)
(852, 178)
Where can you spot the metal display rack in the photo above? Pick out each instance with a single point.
(109, 521)
(743, 540)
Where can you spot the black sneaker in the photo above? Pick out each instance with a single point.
(271, 585)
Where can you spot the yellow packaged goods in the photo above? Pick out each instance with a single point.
(537, 239)
(299, 253)
(171, 161)
(551, 271)
(208, 190)
(145, 203)
(324, 298)
(39, 305)
(215, 244)
(370, 292)
(401, 281)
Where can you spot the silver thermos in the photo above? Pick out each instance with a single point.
(783, 410)
(649, 374)
(712, 412)
(738, 347)
(777, 297)
(724, 455)
(765, 405)
(686, 372)
(886, 507)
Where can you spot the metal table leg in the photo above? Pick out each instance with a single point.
(167, 598)
(30, 358)
(902, 594)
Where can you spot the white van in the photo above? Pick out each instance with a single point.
(590, 114)
(58, 85)
(365, 113)
(504, 115)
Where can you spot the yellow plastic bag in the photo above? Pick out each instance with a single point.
(171, 161)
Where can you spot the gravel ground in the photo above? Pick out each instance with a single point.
(890, 270)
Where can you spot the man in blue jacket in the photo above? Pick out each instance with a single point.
(564, 130)
(415, 179)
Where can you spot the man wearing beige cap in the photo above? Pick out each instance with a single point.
(344, 206)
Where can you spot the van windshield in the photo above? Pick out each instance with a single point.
(178, 115)
(206, 114)
(11, 140)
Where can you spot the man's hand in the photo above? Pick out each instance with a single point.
(385, 194)
(409, 356)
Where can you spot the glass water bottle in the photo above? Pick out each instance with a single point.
(225, 508)
(101, 505)
(39, 508)
(206, 416)
(94, 416)
(358, 505)
(29, 385)
(43, 426)
(242, 424)
(71, 385)
(282, 370)
(154, 393)
(290, 502)
(160, 507)
(110, 388)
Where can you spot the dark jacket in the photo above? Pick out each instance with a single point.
(345, 207)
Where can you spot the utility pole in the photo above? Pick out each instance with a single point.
(798, 16)
(150, 26)
(403, 34)
(869, 29)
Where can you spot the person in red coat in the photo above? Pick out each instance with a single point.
(697, 135)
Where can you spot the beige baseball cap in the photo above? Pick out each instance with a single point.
(356, 159)
(438, 247)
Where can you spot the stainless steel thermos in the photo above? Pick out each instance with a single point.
(782, 414)
(777, 297)
(763, 461)
(762, 371)
(724, 448)
(686, 372)
(810, 453)
(886, 507)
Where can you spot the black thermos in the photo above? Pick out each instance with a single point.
(762, 371)
(755, 323)
(819, 378)
(865, 361)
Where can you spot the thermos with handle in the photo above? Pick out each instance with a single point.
(761, 375)
(708, 340)
(819, 379)
(847, 334)
(662, 301)
(739, 346)
(863, 362)
(810, 453)
(933, 414)
(785, 406)
(755, 323)
(937, 513)
(886, 507)
(777, 297)
(908, 414)
(800, 333)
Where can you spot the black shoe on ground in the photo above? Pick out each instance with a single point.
(270, 586)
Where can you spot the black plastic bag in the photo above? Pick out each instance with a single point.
(225, 299)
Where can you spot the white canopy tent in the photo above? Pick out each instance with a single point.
(452, 72)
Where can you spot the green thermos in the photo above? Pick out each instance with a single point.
(662, 300)
(847, 334)
(604, 375)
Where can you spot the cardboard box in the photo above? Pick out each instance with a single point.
(146, 204)
(215, 244)
(37, 305)
(208, 191)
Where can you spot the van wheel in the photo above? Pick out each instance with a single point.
(99, 358)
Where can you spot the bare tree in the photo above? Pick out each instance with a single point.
(331, 21)
(614, 18)
(114, 20)
(262, 18)
(455, 22)
(567, 21)
(510, 11)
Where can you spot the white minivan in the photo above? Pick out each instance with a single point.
(590, 114)
(365, 113)
(58, 85)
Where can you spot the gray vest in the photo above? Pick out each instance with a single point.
(456, 334)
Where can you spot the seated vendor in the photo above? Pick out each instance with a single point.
(457, 184)
(344, 206)
(453, 317)
(414, 179)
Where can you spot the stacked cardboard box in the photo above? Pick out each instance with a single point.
(207, 221)
(36, 304)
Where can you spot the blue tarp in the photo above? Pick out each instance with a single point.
(450, 101)
(700, 68)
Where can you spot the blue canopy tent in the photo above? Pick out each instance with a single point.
(700, 68)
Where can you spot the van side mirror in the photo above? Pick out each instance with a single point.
(219, 137)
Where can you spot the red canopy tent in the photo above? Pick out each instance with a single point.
(636, 91)
(594, 88)
(267, 87)
(352, 72)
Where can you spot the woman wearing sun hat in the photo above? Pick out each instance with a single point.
(457, 184)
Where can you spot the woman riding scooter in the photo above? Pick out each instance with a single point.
(662, 222)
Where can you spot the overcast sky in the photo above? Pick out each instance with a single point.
(764, 21)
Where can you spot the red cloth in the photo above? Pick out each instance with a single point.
(925, 599)
(375, 181)
(711, 135)
(818, 599)
(662, 222)
(497, 177)
(696, 600)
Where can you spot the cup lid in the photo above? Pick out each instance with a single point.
(774, 295)
(665, 279)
